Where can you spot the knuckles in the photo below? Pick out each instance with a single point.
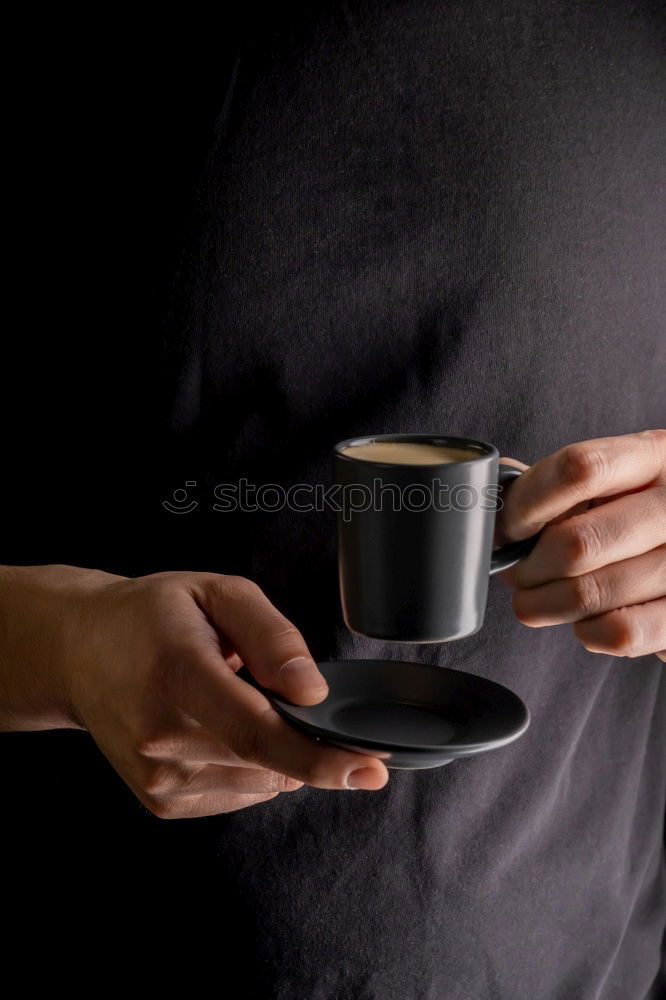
(587, 595)
(239, 587)
(163, 781)
(163, 788)
(316, 773)
(247, 742)
(154, 744)
(584, 467)
(620, 635)
(279, 627)
(578, 542)
(658, 436)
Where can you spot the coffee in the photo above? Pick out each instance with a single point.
(409, 453)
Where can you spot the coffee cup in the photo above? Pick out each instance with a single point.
(415, 530)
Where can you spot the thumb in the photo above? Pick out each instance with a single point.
(270, 646)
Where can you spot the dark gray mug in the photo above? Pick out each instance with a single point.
(412, 571)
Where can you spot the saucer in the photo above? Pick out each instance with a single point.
(410, 715)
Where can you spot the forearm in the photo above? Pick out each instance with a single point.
(36, 608)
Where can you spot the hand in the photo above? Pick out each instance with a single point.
(601, 560)
(149, 669)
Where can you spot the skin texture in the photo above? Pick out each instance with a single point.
(148, 665)
(600, 564)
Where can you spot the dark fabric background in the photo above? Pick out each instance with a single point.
(408, 216)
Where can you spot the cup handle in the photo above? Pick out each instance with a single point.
(511, 553)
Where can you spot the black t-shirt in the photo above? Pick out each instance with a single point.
(414, 216)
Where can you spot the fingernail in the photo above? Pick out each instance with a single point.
(363, 777)
(301, 672)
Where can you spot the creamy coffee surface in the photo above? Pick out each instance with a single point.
(409, 453)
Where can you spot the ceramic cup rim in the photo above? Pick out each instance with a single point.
(487, 452)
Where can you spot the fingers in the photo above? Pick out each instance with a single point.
(632, 631)
(514, 462)
(616, 531)
(162, 779)
(197, 806)
(165, 775)
(214, 790)
(213, 779)
(632, 581)
(242, 718)
(272, 648)
(579, 472)
(184, 740)
(192, 806)
(175, 788)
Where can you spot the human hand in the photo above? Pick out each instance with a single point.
(148, 667)
(600, 562)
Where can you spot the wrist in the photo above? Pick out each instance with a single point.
(40, 629)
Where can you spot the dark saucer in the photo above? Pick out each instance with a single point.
(410, 715)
